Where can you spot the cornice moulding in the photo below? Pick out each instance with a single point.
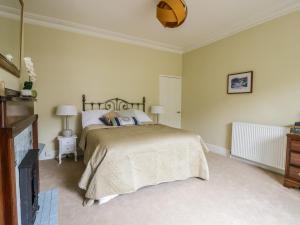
(64, 25)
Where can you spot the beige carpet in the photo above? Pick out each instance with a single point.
(236, 194)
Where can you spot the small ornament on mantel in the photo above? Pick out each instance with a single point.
(27, 89)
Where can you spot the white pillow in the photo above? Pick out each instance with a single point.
(92, 117)
(138, 114)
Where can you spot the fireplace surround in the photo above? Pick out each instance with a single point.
(29, 187)
(18, 134)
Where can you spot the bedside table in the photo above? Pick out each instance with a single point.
(67, 145)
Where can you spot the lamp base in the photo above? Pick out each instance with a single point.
(67, 133)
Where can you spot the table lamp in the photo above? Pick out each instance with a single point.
(157, 110)
(66, 111)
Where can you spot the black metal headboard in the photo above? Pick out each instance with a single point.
(114, 104)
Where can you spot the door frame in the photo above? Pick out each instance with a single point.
(176, 77)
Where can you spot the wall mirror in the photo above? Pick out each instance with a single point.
(11, 27)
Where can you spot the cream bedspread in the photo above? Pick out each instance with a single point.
(122, 160)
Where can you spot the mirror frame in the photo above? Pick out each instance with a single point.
(6, 64)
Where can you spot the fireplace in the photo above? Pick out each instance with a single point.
(29, 187)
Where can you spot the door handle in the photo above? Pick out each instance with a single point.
(178, 112)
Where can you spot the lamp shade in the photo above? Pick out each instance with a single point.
(157, 109)
(66, 110)
(171, 13)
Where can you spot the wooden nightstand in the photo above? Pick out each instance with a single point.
(67, 145)
(292, 171)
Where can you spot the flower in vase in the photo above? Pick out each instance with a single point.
(30, 69)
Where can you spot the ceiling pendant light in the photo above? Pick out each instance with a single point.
(171, 13)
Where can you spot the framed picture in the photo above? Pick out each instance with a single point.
(238, 83)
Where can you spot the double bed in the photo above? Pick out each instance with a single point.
(123, 159)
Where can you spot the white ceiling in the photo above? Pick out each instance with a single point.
(135, 20)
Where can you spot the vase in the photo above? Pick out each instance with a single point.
(34, 93)
(26, 93)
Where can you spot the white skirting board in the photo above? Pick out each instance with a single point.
(226, 152)
(47, 154)
(218, 150)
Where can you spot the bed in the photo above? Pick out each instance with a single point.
(123, 159)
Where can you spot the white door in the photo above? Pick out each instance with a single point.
(170, 99)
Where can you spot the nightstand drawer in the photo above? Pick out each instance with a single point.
(68, 148)
(295, 146)
(68, 141)
(294, 173)
(295, 159)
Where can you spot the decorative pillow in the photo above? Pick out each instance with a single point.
(138, 114)
(124, 121)
(105, 121)
(92, 117)
(108, 117)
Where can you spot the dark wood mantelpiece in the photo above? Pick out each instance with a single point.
(16, 111)
(16, 114)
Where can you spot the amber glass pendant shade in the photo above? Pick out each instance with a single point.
(171, 13)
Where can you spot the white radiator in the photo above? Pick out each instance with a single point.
(259, 143)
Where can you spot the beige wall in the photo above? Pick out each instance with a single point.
(272, 51)
(69, 65)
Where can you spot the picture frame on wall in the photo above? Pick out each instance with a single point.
(240, 83)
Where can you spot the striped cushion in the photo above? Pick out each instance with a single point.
(125, 121)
